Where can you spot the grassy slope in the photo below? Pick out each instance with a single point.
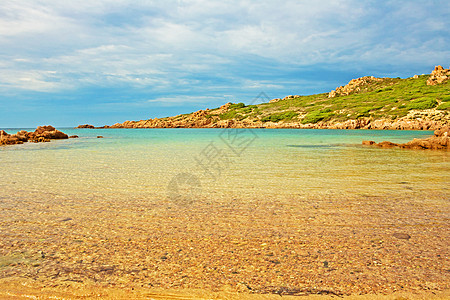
(390, 99)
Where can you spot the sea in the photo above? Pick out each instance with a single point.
(296, 210)
(182, 165)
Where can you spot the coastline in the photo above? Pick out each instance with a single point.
(425, 120)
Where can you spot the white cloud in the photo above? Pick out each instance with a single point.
(183, 99)
(182, 44)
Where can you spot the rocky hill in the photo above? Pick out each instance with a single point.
(418, 102)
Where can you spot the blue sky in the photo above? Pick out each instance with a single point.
(71, 62)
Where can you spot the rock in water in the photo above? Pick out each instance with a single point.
(440, 140)
(40, 135)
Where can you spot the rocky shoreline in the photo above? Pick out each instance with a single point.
(440, 141)
(42, 134)
(431, 119)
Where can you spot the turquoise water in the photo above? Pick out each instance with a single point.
(157, 164)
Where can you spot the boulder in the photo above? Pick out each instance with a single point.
(54, 135)
(73, 137)
(368, 143)
(42, 129)
(49, 132)
(10, 140)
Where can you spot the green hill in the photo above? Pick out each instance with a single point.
(368, 101)
(390, 98)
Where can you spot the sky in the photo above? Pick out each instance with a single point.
(100, 62)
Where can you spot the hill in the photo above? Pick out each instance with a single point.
(418, 102)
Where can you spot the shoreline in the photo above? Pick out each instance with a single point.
(425, 120)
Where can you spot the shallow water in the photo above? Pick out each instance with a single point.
(212, 208)
(243, 163)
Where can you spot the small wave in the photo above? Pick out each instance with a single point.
(315, 146)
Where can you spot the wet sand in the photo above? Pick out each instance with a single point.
(224, 247)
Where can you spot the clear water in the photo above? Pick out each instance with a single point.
(157, 164)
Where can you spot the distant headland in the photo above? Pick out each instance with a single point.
(421, 102)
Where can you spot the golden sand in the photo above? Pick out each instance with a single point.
(226, 249)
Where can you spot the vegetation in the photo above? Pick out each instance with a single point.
(390, 98)
(318, 115)
(285, 116)
(444, 106)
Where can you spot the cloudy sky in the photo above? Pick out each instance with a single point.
(105, 61)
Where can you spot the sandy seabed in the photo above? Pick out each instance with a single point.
(225, 248)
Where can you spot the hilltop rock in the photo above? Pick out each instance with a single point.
(291, 97)
(438, 76)
(86, 126)
(40, 135)
(353, 86)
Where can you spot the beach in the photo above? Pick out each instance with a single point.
(287, 212)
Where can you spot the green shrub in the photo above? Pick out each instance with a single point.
(445, 98)
(316, 116)
(285, 116)
(444, 106)
(422, 103)
(247, 110)
(228, 115)
(237, 105)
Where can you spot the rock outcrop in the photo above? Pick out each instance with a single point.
(40, 135)
(353, 86)
(440, 140)
(438, 75)
(86, 126)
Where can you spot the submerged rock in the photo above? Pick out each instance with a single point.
(400, 235)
